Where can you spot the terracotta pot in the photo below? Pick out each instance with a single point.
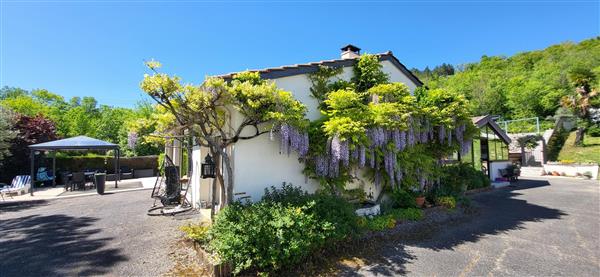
(420, 201)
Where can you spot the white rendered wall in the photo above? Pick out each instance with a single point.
(258, 163)
(495, 167)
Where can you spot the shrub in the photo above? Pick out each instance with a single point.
(402, 199)
(413, 214)
(282, 229)
(447, 202)
(267, 236)
(380, 223)
(458, 178)
(594, 131)
(327, 208)
(287, 194)
(197, 232)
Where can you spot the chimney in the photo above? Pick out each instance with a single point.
(350, 52)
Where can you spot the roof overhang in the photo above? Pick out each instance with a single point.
(481, 121)
(75, 143)
(297, 69)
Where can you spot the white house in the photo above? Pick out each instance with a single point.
(257, 163)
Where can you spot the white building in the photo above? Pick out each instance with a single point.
(257, 163)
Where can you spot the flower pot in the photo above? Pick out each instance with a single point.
(420, 201)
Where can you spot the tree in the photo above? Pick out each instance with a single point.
(29, 130)
(580, 101)
(11, 92)
(7, 133)
(207, 110)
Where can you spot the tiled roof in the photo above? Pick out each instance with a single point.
(296, 69)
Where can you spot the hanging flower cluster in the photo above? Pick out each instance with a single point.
(132, 138)
(373, 135)
(291, 139)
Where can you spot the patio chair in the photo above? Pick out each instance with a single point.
(126, 173)
(43, 176)
(65, 180)
(19, 185)
(78, 180)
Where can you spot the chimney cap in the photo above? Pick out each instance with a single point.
(350, 47)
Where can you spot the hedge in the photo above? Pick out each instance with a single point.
(104, 163)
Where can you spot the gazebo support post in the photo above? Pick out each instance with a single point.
(32, 156)
(53, 168)
(117, 173)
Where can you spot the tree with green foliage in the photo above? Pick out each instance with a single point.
(580, 101)
(84, 116)
(7, 132)
(527, 84)
(206, 111)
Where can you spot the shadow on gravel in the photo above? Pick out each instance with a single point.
(54, 245)
(498, 212)
(495, 212)
(21, 205)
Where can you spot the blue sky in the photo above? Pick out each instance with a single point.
(96, 48)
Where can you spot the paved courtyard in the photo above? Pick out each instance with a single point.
(90, 235)
(544, 227)
(541, 227)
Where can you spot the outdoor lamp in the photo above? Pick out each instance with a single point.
(208, 167)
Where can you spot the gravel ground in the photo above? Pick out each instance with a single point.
(543, 227)
(91, 235)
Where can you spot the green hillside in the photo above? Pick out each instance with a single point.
(524, 85)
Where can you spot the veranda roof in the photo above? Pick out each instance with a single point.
(75, 143)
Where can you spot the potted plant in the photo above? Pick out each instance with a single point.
(420, 199)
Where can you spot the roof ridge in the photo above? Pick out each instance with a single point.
(283, 67)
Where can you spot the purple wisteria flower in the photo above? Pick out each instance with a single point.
(132, 139)
(441, 133)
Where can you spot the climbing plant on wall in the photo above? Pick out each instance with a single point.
(374, 126)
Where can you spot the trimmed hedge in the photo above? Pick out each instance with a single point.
(105, 163)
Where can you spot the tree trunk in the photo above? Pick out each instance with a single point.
(230, 181)
(217, 160)
(579, 136)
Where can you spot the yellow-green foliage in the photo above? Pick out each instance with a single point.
(197, 232)
(448, 202)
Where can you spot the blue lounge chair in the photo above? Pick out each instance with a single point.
(19, 184)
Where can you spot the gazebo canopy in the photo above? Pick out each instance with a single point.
(75, 143)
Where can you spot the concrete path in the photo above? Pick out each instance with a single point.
(92, 235)
(543, 227)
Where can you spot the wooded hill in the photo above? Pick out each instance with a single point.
(524, 85)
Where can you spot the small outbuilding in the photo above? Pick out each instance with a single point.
(489, 151)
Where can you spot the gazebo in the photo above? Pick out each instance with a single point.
(74, 143)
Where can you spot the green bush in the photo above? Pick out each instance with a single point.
(287, 194)
(413, 214)
(281, 230)
(327, 208)
(380, 223)
(402, 199)
(267, 236)
(448, 202)
(197, 232)
(458, 178)
(594, 131)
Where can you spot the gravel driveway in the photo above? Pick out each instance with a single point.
(92, 235)
(543, 227)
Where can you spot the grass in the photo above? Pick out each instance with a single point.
(588, 153)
